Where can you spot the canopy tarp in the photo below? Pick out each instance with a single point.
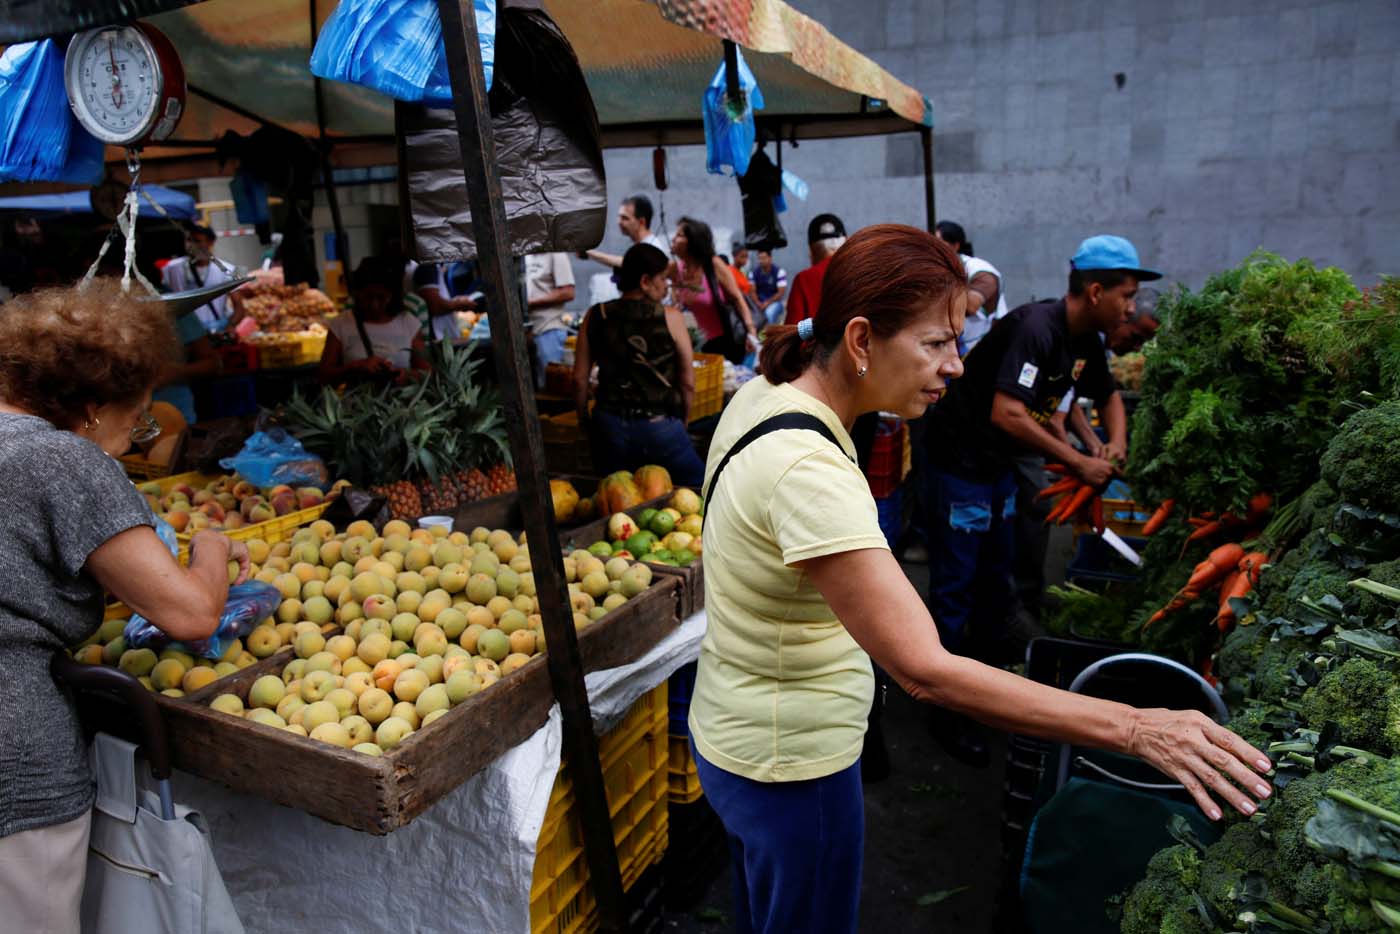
(647, 63)
(177, 205)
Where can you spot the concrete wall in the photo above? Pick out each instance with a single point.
(1240, 123)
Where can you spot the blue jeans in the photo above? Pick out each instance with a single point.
(972, 534)
(795, 849)
(773, 314)
(627, 443)
(549, 348)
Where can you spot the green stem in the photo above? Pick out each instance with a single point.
(1385, 868)
(1284, 913)
(1389, 915)
(1366, 807)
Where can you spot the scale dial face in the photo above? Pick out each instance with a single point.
(119, 85)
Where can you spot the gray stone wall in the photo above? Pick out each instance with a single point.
(1239, 124)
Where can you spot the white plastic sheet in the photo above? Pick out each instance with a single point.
(465, 865)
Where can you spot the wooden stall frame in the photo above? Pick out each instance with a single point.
(477, 144)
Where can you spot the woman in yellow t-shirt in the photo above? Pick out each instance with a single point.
(800, 586)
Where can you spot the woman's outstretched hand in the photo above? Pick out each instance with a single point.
(1203, 756)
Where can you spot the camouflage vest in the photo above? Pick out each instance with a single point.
(638, 367)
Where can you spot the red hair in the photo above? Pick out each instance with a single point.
(887, 274)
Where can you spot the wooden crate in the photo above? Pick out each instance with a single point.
(692, 578)
(380, 795)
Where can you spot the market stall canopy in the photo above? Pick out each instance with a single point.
(646, 61)
(177, 205)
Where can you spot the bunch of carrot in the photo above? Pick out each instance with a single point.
(1208, 524)
(1227, 567)
(1075, 495)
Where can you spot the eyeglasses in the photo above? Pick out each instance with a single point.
(147, 429)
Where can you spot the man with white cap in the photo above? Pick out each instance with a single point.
(1011, 387)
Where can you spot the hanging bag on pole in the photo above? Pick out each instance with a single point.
(395, 47)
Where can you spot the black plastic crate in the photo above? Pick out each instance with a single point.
(696, 855)
(1095, 561)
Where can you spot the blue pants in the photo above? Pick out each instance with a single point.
(549, 348)
(628, 443)
(795, 849)
(972, 534)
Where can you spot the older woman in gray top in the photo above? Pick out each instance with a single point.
(76, 373)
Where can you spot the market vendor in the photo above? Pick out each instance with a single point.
(800, 585)
(646, 376)
(198, 360)
(196, 270)
(71, 526)
(1015, 380)
(377, 340)
(446, 288)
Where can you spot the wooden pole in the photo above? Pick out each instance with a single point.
(926, 138)
(476, 138)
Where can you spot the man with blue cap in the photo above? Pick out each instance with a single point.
(1002, 407)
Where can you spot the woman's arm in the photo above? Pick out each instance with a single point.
(899, 634)
(184, 603)
(685, 358)
(334, 370)
(725, 278)
(583, 367)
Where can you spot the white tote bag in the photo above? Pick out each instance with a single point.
(150, 866)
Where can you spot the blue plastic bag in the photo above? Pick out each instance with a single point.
(729, 127)
(273, 457)
(396, 48)
(40, 139)
(248, 604)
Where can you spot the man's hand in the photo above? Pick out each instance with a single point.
(1117, 452)
(1094, 471)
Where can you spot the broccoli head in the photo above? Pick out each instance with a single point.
(1162, 902)
(1238, 659)
(1241, 849)
(1317, 505)
(1274, 677)
(1362, 699)
(1362, 462)
(1295, 803)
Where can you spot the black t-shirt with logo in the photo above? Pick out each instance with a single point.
(1029, 355)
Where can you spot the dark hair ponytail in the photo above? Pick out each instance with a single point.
(886, 274)
(784, 355)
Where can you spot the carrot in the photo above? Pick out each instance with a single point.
(1077, 501)
(1215, 567)
(1183, 598)
(1196, 522)
(1259, 506)
(1206, 531)
(1057, 468)
(1159, 518)
(1096, 510)
(1057, 511)
(1058, 487)
(1237, 585)
(1251, 564)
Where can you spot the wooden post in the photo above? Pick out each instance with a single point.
(476, 138)
(926, 137)
(323, 147)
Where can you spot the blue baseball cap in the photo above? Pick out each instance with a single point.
(1109, 252)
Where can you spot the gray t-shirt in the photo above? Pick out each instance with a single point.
(61, 497)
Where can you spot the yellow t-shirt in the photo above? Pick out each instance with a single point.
(783, 691)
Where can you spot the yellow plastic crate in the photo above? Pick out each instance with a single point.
(140, 469)
(1123, 516)
(633, 756)
(683, 779)
(288, 350)
(709, 385)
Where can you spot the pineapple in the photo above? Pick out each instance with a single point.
(501, 479)
(471, 485)
(403, 497)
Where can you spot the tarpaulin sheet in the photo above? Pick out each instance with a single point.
(645, 62)
(463, 865)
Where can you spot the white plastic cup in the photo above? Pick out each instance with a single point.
(432, 522)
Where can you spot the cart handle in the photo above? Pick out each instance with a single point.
(100, 679)
(1212, 696)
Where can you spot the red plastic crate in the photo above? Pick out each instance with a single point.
(886, 458)
(238, 358)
